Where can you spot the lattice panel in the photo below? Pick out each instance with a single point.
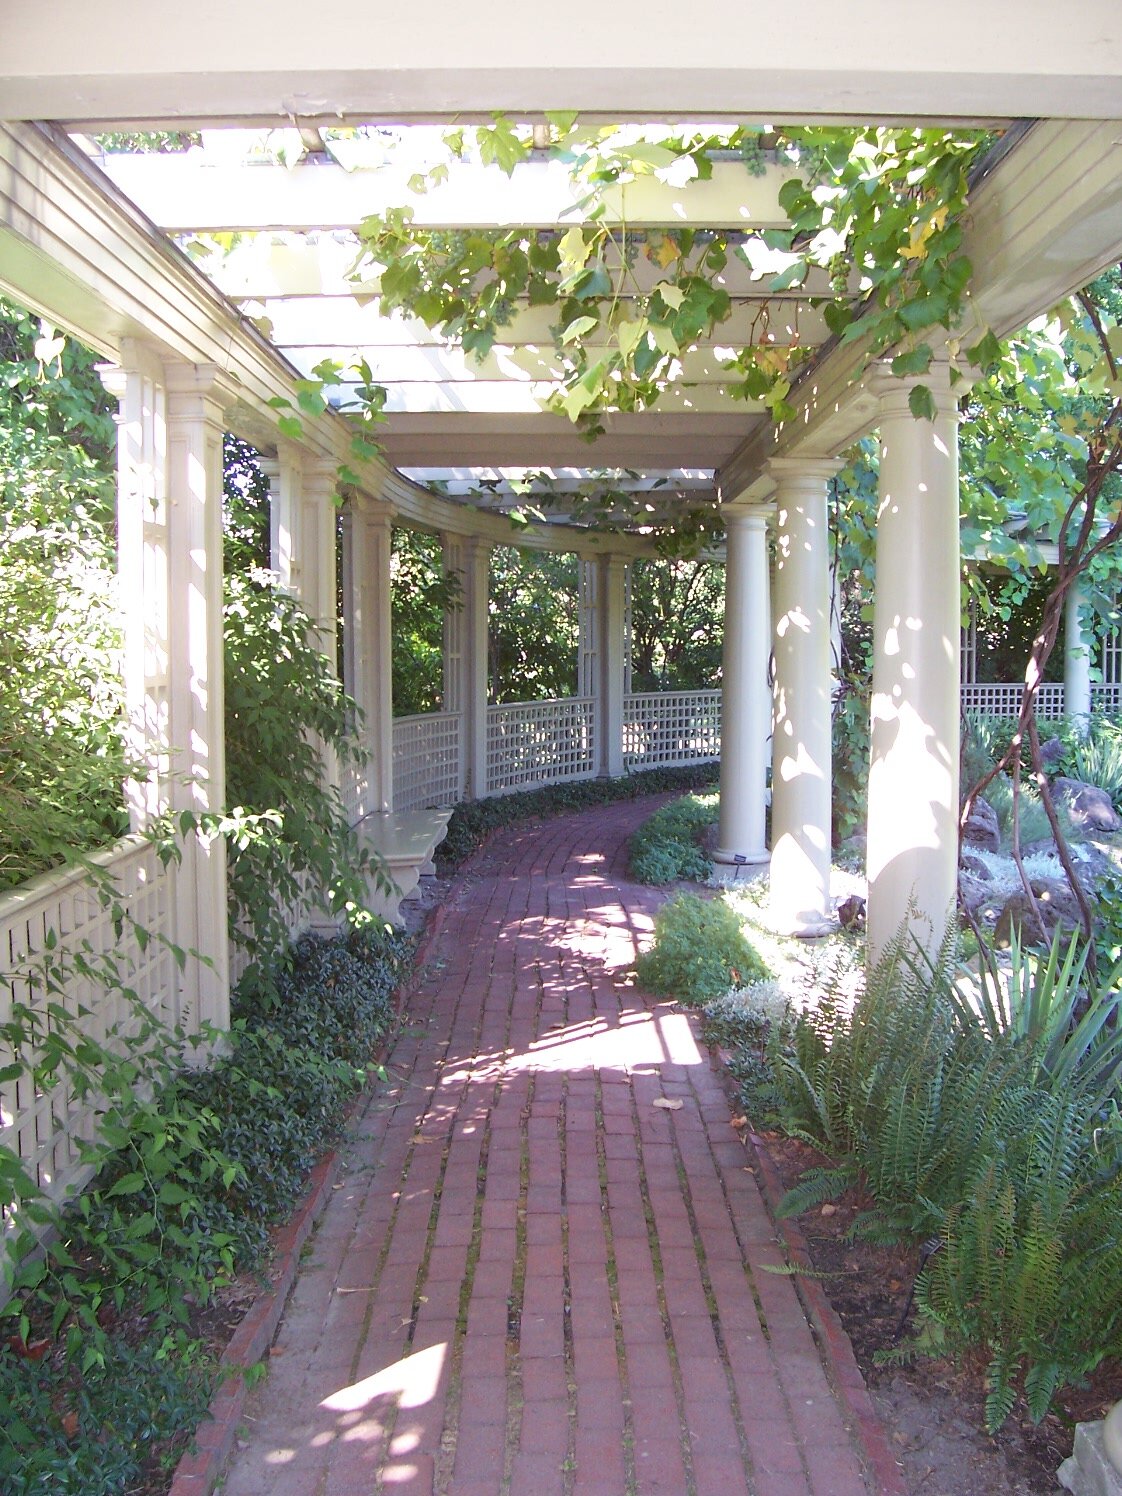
(671, 727)
(1107, 697)
(540, 742)
(43, 1127)
(1005, 700)
(427, 760)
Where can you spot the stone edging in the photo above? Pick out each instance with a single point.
(200, 1469)
(837, 1352)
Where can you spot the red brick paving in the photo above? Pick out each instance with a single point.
(531, 1281)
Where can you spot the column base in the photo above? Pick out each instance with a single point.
(741, 859)
(804, 926)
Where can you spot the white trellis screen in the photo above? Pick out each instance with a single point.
(540, 742)
(1005, 700)
(671, 727)
(54, 919)
(427, 760)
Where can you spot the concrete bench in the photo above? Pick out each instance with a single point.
(405, 841)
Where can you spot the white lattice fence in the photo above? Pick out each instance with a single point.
(56, 918)
(427, 760)
(1106, 696)
(1005, 700)
(671, 727)
(540, 742)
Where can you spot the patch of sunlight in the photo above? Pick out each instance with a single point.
(411, 1383)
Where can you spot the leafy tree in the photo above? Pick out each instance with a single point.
(533, 625)
(677, 619)
(420, 593)
(62, 758)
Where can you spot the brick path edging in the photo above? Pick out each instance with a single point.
(837, 1352)
(200, 1469)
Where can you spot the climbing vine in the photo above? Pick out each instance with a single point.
(874, 235)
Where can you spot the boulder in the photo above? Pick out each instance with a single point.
(1090, 808)
(972, 893)
(974, 866)
(1090, 863)
(851, 913)
(1057, 906)
(981, 829)
(1051, 753)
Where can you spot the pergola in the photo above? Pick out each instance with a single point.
(85, 242)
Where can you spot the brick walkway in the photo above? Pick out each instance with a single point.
(533, 1280)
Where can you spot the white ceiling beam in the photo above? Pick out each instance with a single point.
(93, 266)
(145, 59)
(186, 192)
(1044, 222)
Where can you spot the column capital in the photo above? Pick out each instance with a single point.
(374, 511)
(813, 469)
(893, 391)
(199, 389)
(747, 516)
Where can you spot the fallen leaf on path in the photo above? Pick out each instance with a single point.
(665, 1104)
(739, 1123)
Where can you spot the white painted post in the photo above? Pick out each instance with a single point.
(368, 645)
(319, 509)
(611, 628)
(913, 772)
(1077, 663)
(801, 733)
(142, 567)
(286, 478)
(476, 575)
(196, 397)
(588, 626)
(746, 704)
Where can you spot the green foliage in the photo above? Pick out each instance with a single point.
(62, 758)
(192, 1168)
(1097, 759)
(421, 591)
(992, 1124)
(850, 758)
(532, 625)
(677, 615)
(699, 951)
(473, 820)
(288, 830)
(666, 848)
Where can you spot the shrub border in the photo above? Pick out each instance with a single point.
(203, 1465)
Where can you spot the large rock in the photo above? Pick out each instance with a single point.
(1057, 906)
(982, 829)
(1051, 753)
(974, 866)
(1090, 864)
(1090, 808)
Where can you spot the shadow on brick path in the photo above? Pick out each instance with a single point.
(531, 1280)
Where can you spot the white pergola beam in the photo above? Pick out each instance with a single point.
(92, 265)
(1044, 222)
(149, 59)
(186, 192)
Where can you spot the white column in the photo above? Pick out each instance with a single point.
(319, 509)
(746, 703)
(196, 396)
(369, 651)
(612, 653)
(588, 626)
(1077, 663)
(142, 566)
(476, 579)
(286, 480)
(913, 772)
(801, 774)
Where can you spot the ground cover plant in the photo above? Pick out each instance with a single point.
(102, 1364)
(472, 821)
(699, 951)
(668, 846)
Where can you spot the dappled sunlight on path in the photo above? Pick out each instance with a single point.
(544, 1270)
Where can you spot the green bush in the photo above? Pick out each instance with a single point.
(699, 951)
(473, 820)
(1098, 758)
(189, 1181)
(992, 1125)
(665, 848)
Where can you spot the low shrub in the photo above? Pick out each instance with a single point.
(699, 951)
(472, 821)
(190, 1180)
(665, 848)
